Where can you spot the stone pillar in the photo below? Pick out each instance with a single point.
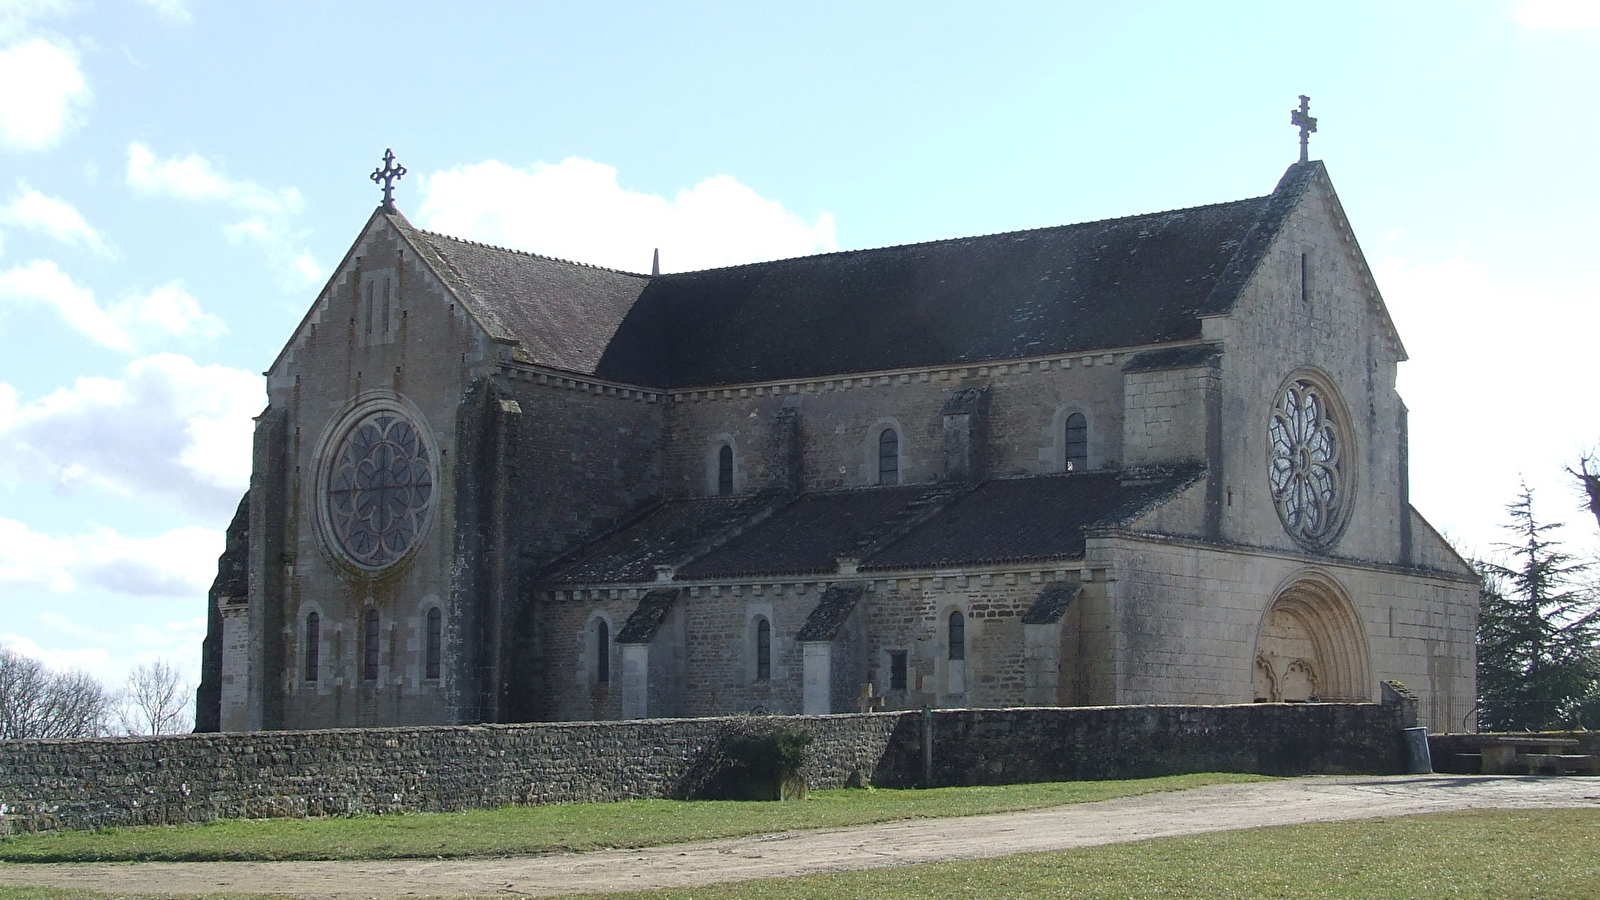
(634, 682)
(235, 677)
(966, 434)
(818, 673)
(1042, 664)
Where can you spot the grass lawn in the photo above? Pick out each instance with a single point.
(1498, 854)
(540, 829)
(1504, 855)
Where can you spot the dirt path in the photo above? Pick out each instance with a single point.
(1214, 808)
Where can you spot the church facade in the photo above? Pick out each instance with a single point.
(1157, 459)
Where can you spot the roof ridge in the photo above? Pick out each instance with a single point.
(969, 237)
(529, 253)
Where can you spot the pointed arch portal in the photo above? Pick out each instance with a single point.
(1311, 645)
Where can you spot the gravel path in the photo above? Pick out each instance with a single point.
(1214, 808)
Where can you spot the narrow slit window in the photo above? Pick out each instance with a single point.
(958, 635)
(725, 470)
(897, 670)
(369, 307)
(889, 457)
(313, 646)
(602, 652)
(386, 306)
(370, 649)
(1305, 278)
(435, 658)
(1077, 443)
(763, 650)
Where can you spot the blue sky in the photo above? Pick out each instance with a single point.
(177, 178)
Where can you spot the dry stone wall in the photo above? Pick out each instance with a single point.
(194, 778)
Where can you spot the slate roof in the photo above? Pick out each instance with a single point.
(1019, 519)
(887, 528)
(831, 612)
(646, 618)
(563, 314)
(1114, 283)
(811, 534)
(667, 535)
(1051, 604)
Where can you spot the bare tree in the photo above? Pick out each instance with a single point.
(156, 700)
(1588, 475)
(38, 703)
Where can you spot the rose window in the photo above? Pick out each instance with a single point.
(1307, 470)
(380, 483)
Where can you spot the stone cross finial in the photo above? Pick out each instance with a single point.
(388, 175)
(1308, 125)
(868, 699)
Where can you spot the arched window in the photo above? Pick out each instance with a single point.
(958, 635)
(369, 647)
(763, 650)
(435, 642)
(602, 652)
(888, 457)
(1077, 443)
(725, 470)
(313, 645)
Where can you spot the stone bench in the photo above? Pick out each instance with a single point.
(1561, 763)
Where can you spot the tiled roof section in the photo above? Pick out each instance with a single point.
(1051, 604)
(830, 613)
(646, 618)
(814, 532)
(1115, 283)
(1253, 249)
(563, 314)
(1021, 519)
(1172, 358)
(667, 535)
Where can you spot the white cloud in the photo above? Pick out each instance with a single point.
(576, 210)
(54, 217)
(175, 11)
(44, 90)
(167, 311)
(269, 213)
(179, 563)
(170, 429)
(1490, 406)
(17, 15)
(1558, 15)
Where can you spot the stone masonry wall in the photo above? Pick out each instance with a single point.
(194, 778)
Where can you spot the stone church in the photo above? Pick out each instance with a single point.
(1154, 459)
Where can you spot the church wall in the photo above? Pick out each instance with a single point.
(1189, 616)
(422, 361)
(840, 421)
(1333, 327)
(909, 615)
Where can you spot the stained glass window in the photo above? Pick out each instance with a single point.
(1077, 443)
(1307, 472)
(958, 635)
(888, 457)
(380, 486)
(313, 646)
(725, 470)
(435, 656)
(763, 650)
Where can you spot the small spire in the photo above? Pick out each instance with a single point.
(387, 175)
(655, 262)
(1308, 125)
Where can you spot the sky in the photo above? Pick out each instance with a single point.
(179, 177)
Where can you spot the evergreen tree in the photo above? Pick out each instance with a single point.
(1537, 630)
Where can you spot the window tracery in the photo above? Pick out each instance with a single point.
(1307, 471)
(380, 488)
